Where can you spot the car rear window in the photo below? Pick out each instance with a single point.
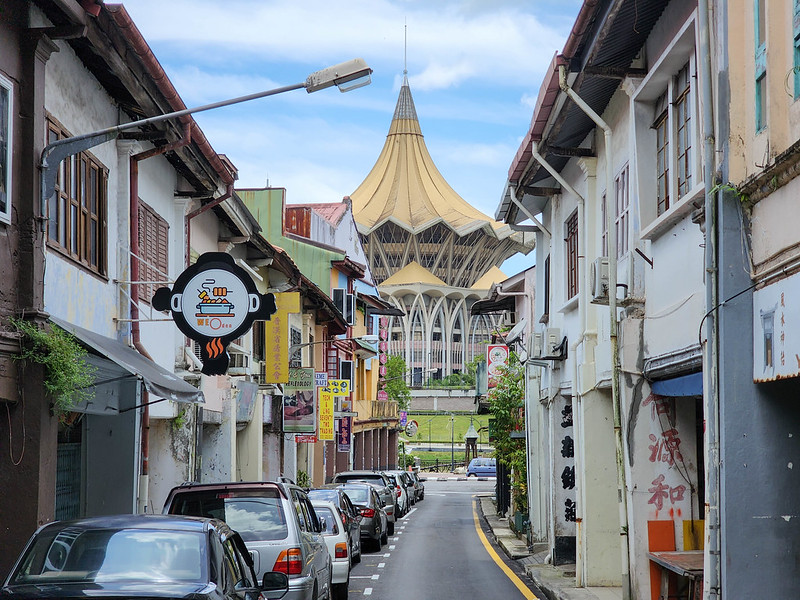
(323, 512)
(256, 515)
(358, 495)
(365, 477)
(329, 495)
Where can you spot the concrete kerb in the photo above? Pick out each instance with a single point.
(556, 583)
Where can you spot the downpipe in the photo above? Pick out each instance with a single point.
(612, 310)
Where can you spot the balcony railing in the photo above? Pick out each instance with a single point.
(383, 409)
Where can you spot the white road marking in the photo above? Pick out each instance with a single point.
(395, 539)
(392, 547)
(376, 577)
(360, 576)
(411, 512)
(381, 565)
(387, 555)
(367, 591)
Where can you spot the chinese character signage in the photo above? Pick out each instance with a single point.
(299, 414)
(344, 435)
(325, 415)
(276, 333)
(383, 348)
(776, 345)
(213, 302)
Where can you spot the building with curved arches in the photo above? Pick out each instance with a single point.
(431, 253)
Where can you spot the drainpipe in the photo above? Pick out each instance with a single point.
(513, 195)
(142, 505)
(612, 309)
(711, 559)
(579, 558)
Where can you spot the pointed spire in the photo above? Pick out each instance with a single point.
(405, 103)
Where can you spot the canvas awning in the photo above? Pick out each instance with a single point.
(685, 385)
(117, 363)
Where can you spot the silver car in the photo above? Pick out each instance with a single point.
(386, 490)
(278, 524)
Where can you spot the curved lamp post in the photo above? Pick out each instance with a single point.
(346, 76)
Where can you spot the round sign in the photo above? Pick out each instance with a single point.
(411, 428)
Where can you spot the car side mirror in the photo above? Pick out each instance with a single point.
(274, 585)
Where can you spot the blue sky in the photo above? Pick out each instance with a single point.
(474, 68)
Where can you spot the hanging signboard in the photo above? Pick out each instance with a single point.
(776, 351)
(305, 438)
(276, 338)
(496, 357)
(339, 387)
(213, 302)
(344, 435)
(325, 414)
(299, 414)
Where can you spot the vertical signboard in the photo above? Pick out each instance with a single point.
(383, 348)
(276, 332)
(325, 415)
(564, 477)
(496, 357)
(344, 435)
(299, 414)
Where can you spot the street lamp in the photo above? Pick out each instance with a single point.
(346, 76)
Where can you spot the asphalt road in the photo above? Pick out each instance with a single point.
(436, 552)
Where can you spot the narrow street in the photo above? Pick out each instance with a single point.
(436, 552)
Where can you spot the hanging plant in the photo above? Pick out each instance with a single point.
(67, 376)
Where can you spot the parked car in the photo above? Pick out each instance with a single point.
(482, 467)
(408, 483)
(401, 495)
(138, 556)
(277, 523)
(337, 539)
(419, 485)
(349, 514)
(386, 492)
(374, 523)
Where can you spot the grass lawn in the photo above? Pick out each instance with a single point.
(436, 429)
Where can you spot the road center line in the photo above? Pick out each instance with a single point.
(529, 595)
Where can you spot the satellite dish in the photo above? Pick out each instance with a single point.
(516, 331)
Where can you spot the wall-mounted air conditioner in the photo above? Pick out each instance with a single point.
(598, 280)
(552, 341)
(537, 343)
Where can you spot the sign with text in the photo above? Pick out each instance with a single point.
(276, 334)
(496, 357)
(321, 379)
(325, 415)
(299, 414)
(304, 438)
(344, 436)
(339, 387)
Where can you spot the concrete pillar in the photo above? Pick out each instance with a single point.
(368, 449)
(392, 448)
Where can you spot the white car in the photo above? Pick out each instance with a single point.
(335, 536)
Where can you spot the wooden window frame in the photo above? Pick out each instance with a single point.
(153, 251)
(79, 229)
(571, 254)
(621, 219)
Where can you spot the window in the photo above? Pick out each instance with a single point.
(6, 110)
(603, 226)
(571, 240)
(77, 209)
(153, 251)
(295, 339)
(683, 132)
(662, 154)
(761, 64)
(547, 287)
(622, 202)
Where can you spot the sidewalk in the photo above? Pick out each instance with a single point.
(557, 583)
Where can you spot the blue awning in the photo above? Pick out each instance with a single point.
(685, 385)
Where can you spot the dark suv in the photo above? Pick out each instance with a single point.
(277, 523)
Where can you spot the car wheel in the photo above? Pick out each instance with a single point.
(340, 591)
(384, 538)
(315, 593)
(376, 544)
(391, 528)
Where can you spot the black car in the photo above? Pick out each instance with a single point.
(147, 556)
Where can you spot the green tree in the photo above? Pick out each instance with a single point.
(506, 402)
(395, 379)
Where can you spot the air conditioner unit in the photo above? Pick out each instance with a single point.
(598, 280)
(537, 343)
(552, 340)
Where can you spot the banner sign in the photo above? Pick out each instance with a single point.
(299, 414)
(345, 433)
(304, 438)
(496, 357)
(383, 349)
(339, 387)
(214, 302)
(325, 414)
(276, 334)
(403, 418)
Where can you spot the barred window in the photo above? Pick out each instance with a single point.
(571, 240)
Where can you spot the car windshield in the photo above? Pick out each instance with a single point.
(257, 516)
(323, 512)
(108, 555)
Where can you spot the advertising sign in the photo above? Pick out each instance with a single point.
(339, 387)
(403, 418)
(321, 379)
(496, 357)
(299, 414)
(276, 334)
(344, 436)
(776, 346)
(304, 438)
(213, 302)
(325, 414)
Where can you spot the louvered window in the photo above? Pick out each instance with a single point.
(153, 251)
